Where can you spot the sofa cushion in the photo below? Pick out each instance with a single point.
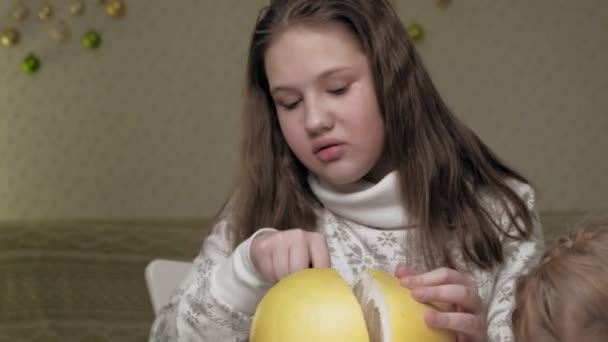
(84, 281)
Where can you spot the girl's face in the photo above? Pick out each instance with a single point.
(323, 88)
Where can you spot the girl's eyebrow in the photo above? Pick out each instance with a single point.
(325, 74)
(331, 71)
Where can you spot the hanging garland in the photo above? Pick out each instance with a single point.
(59, 30)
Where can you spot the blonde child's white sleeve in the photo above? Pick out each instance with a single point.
(519, 257)
(217, 299)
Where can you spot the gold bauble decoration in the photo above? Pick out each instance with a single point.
(45, 11)
(76, 7)
(115, 8)
(60, 31)
(9, 37)
(19, 12)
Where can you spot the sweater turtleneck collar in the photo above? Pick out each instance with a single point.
(370, 204)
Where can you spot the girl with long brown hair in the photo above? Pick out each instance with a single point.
(351, 159)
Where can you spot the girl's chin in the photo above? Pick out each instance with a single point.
(340, 179)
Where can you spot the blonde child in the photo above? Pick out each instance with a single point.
(565, 297)
(350, 159)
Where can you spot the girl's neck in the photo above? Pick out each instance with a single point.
(382, 168)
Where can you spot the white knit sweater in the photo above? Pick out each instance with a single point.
(365, 227)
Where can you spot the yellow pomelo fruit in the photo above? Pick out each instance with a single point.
(306, 306)
(390, 311)
(318, 305)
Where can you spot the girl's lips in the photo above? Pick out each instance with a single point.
(331, 153)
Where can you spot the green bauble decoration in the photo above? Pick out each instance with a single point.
(30, 64)
(91, 40)
(415, 31)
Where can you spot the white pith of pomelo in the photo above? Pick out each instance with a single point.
(318, 305)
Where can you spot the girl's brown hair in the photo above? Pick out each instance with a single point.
(565, 297)
(443, 166)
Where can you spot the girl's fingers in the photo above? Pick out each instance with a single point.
(299, 257)
(439, 276)
(280, 263)
(261, 251)
(466, 298)
(403, 271)
(459, 322)
(319, 251)
(266, 268)
(282, 253)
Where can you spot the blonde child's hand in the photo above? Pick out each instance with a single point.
(277, 254)
(465, 311)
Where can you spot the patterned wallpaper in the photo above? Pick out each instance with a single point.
(146, 125)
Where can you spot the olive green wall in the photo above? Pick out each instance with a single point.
(146, 125)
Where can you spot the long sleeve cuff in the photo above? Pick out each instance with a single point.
(237, 282)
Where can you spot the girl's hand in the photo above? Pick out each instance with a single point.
(465, 311)
(277, 254)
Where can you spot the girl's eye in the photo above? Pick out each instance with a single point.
(339, 91)
(291, 106)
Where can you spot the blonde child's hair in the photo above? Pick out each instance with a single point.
(565, 297)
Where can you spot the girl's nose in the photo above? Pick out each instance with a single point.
(318, 118)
